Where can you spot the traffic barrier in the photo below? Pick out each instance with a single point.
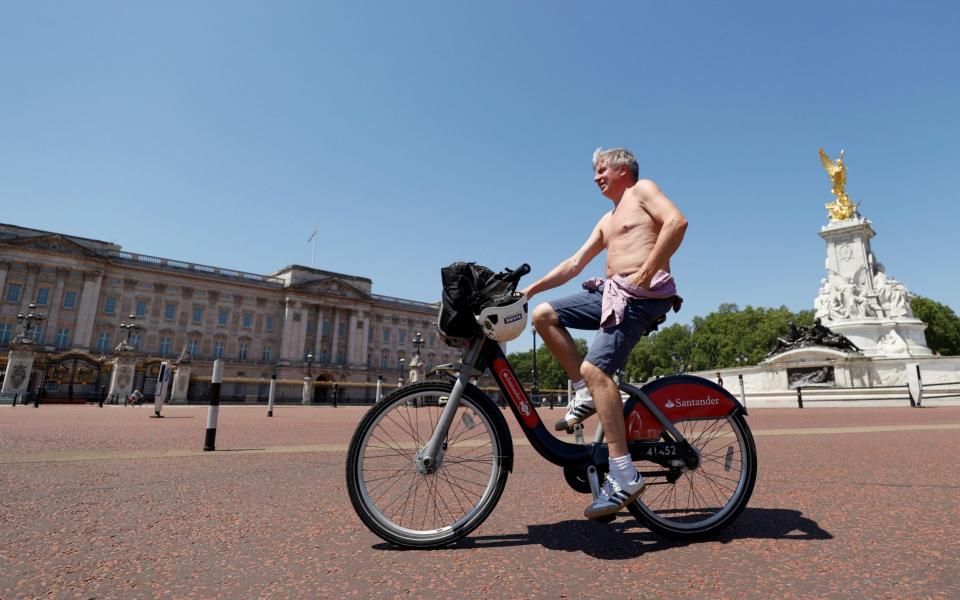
(209, 443)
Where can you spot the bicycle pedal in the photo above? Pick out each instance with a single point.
(570, 430)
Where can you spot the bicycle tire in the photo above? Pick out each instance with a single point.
(457, 497)
(673, 520)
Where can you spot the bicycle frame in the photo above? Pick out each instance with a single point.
(681, 396)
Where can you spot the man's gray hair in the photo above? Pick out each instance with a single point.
(616, 157)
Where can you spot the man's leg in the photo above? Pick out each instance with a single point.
(557, 339)
(606, 397)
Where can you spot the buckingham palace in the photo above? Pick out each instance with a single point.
(287, 323)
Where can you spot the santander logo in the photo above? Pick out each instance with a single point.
(708, 401)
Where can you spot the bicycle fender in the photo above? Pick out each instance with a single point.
(499, 422)
(679, 398)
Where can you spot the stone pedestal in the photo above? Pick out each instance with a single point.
(121, 380)
(19, 367)
(417, 370)
(181, 381)
(860, 301)
(307, 390)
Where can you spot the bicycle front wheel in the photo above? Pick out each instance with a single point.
(416, 509)
(692, 504)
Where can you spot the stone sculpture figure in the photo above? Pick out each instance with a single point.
(817, 335)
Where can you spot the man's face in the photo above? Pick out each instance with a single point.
(611, 179)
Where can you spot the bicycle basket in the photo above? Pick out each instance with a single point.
(467, 287)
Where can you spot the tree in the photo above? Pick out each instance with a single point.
(550, 375)
(722, 339)
(943, 325)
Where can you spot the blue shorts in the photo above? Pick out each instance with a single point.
(612, 346)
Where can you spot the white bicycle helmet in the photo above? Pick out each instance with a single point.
(505, 319)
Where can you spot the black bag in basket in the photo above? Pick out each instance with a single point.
(465, 288)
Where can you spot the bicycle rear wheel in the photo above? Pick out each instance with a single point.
(412, 508)
(691, 504)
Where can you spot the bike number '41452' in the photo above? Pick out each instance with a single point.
(679, 402)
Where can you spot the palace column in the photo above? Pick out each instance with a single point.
(56, 301)
(4, 269)
(286, 332)
(28, 289)
(89, 298)
(318, 339)
(365, 338)
(353, 346)
(334, 335)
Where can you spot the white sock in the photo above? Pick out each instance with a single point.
(579, 385)
(622, 469)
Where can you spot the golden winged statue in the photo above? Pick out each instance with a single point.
(841, 208)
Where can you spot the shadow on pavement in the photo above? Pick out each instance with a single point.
(626, 538)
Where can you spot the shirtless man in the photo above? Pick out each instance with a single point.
(640, 235)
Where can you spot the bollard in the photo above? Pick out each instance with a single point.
(209, 442)
(569, 391)
(799, 397)
(743, 395)
(379, 395)
(919, 386)
(335, 390)
(273, 392)
(160, 392)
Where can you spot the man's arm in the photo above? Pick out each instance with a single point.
(673, 226)
(571, 267)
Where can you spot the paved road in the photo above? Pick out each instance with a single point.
(108, 503)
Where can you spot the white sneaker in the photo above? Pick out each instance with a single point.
(579, 408)
(614, 497)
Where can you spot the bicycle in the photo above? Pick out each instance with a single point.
(421, 474)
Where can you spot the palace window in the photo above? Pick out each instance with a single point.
(42, 296)
(197, 314)
(339, 357)
(369, 335)
(267, 354)
(38, 333)
(136, 341)
(247, 320)
(109, 305)
(170, 312)
(193, 348)
(384, 361)
(309, 326)
(141, 308)
(103, 342)
(70, 300)
(326, 328)
(218, 349)
(222, 317)
(243, 351)
(63, 338)
(269, 325)
(386, 335)
(13, 292)
(341, 329)
(6, 331)
(323, 356)
(403, 336)
(164, 346)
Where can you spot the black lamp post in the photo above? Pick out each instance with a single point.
(27, 323)
(131, 327)
(534, 387)
(401, 371)
(309, 365)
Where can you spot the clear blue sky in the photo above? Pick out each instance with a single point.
(419, 133)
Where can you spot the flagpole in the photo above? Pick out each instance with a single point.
(313, 252)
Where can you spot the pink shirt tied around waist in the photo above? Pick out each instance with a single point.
(618, 292)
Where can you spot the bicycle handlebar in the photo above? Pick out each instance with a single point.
(513, 275)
